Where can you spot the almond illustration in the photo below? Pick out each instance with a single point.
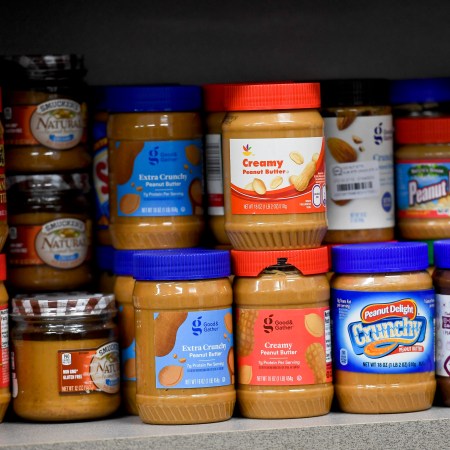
(344, 122)
(341, 150)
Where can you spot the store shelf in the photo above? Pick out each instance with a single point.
(427, 429)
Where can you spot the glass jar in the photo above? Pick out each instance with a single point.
(274, 171)
(155, 167)
(65, 357)
(50, 240)
(184, 336)
(282, 333)
(5, 394)
(359, 160)
(104, 255)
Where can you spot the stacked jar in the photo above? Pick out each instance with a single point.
(275, 219)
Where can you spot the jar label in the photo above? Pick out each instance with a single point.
(443, 335)
(283, 347)
(89, 370)
(383, 332)
(163, 178)
(62, 243)
(4, 355)
(360, 173)
(58, 124)
(214, 174)
(195, 348)
(277, 176)
(423, 189)
(3, 209)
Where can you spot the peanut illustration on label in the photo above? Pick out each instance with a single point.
(297, 157)
(276, 182)
(166, 326)
(170, 375)
(315, 358)
(129, 203)
(245, 374)
(314, 324)
(259, 186)
(193, 154)
(301, 181)
(245, 335)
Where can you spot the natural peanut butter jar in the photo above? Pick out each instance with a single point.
(65, 357)
(184, 336)
(282, 333)
(5, 394)
(155, 167)
(273, 161)
(383, 309)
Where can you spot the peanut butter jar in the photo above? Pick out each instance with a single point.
(65, 357)
(104, 255)
(282, 333)
(383, 307)
(359, 160)
(5, 394)
(441, 280)
(184, 336)
(422, 177)
(3, 208)
(274, 172)
(155, 167)
(123, 291)
(45, 113)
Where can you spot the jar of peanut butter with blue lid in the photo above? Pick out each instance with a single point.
(382, 309)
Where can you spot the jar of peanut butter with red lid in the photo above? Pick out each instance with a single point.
(383, 309)
(155, 167)
(5, 394)
(274, 175)
(282, 333)
(184, 336)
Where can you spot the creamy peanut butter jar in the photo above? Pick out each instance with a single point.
(274, 172)
(283, 342)
(155, 167)
(64, 357)
(184, 336)
(383, 309)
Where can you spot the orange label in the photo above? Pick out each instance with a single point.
(277, 176)
(283, 346)
(4, 349)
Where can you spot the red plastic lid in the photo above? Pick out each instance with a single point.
(2, 267)
(308, 262)
(213, 95)
(434, 130)
(268, 96)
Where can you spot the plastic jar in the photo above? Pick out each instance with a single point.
(282, 322)
(274, 173)
(50, 238)
(155, 167)
(382, 309)
(65, 357)
(184, 336)
(123, 291)
(5, 395)
(213, 95)
(359, 160)
(3, 209)
(441, 280)
(422, 177)
(45, 113)
(105, 268)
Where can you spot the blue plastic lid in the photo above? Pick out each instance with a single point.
(442, 254)
(117, 99)
(379, 257)
(181, 264)
(104, 255)
(420, 90)
(123, 262)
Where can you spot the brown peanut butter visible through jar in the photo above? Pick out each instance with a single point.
(274, 176)
(282, 333)
(155, 167)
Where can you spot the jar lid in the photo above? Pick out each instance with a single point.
(420, 90)
(105, 257)
(2, 267)
(123, 99)
(308, 261)
(213, 97)
(379, 257)
(442, 254)
(271, 96)
(181, 264)
(422, 130)
(355, 92)
(63, 304)
(123, 262)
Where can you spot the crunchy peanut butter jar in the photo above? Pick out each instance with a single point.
(65, 357)
(383, 308)
(273, 161)
(5, 394)
(184, 336)
(155, 167)
(282, 333)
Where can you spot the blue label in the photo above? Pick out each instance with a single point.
(167, 180)
(383, 332)
(202, 355)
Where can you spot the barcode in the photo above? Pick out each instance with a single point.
(354, 186)
(213, 161)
